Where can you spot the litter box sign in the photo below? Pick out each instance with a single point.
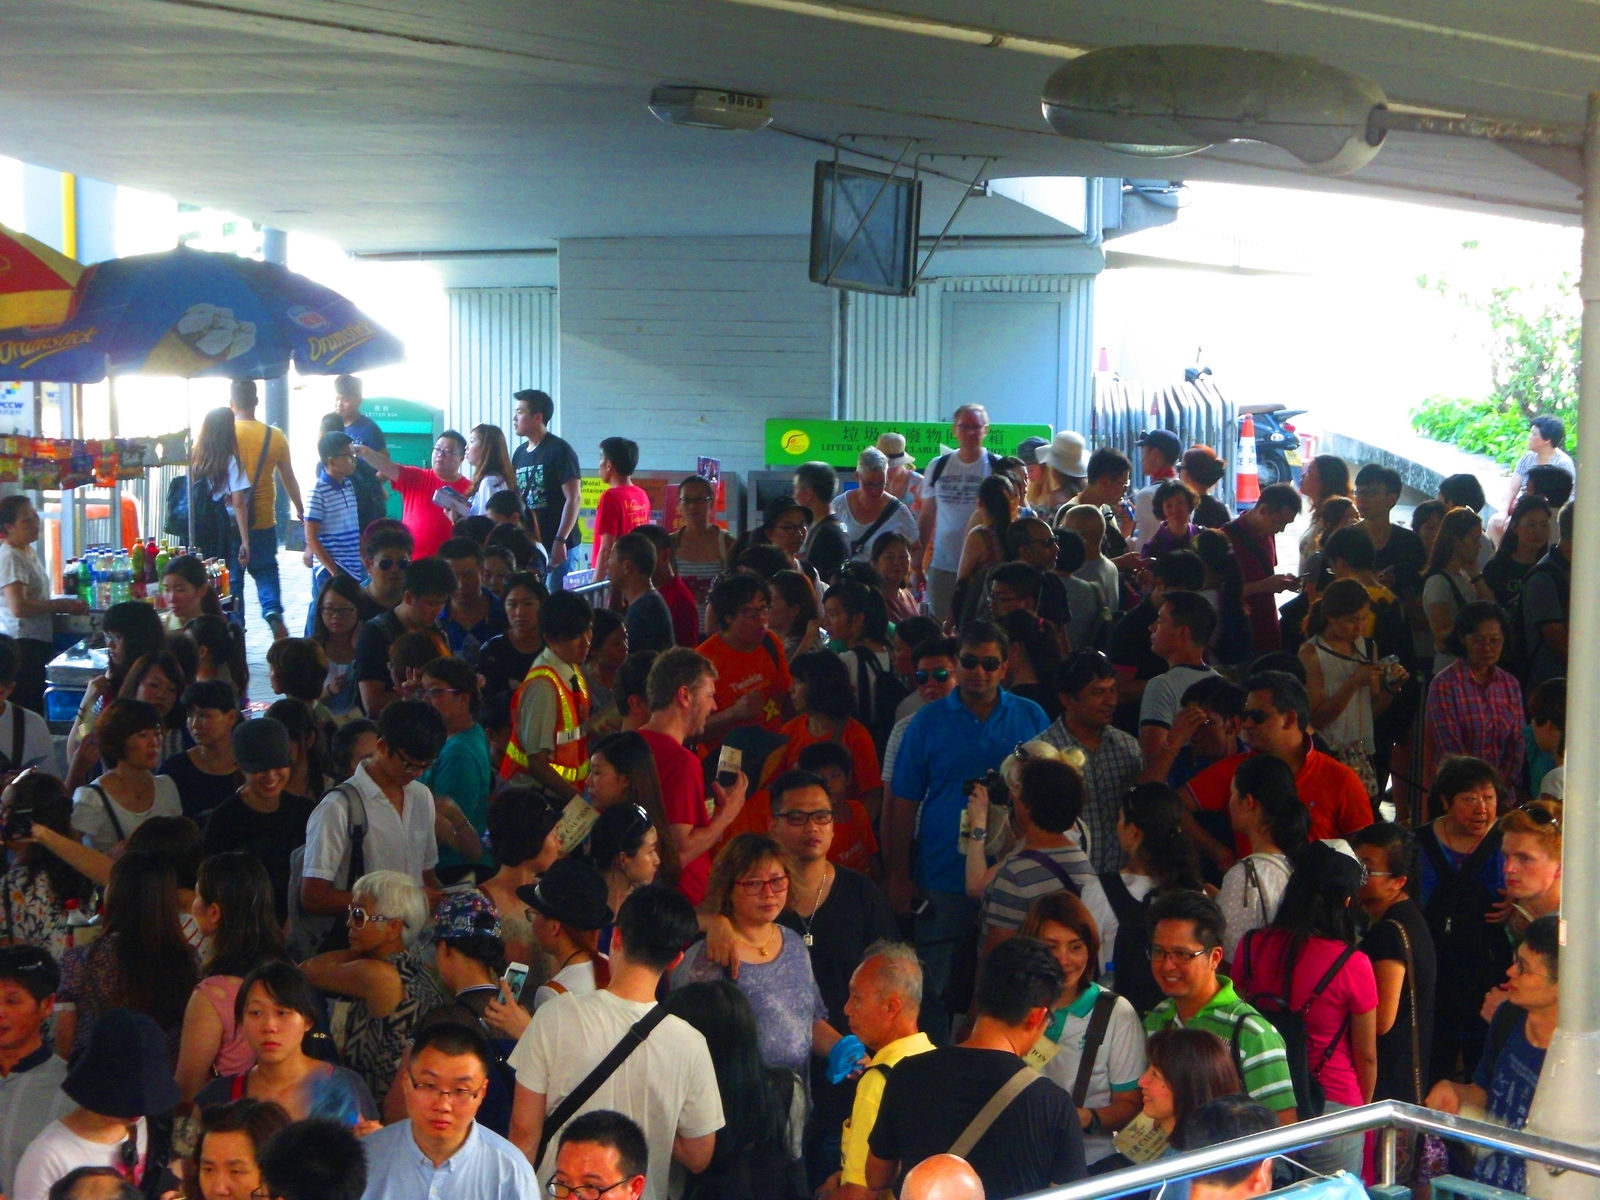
(790, 442)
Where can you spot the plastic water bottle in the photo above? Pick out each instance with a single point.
(102, 580)
(75, 920)
(86, 580)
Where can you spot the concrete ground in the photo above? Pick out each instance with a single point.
(295, 580)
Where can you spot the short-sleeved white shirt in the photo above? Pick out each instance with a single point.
(38, 749)
(667, 1085)
(57, 1151)
(1117, 1066)
(956, 491)
(395, 841)
(89, 816)
(19, 564)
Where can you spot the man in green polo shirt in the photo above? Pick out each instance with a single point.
(1185, 952)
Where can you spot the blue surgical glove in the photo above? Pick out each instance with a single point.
(847, 1055)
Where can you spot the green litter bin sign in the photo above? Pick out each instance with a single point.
(410, 428)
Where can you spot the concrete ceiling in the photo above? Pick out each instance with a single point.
(416, 125)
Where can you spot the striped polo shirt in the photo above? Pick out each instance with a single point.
(1259, 1047)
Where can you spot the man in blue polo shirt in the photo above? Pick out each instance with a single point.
(947, 743)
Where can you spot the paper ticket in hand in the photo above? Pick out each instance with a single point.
(576, 820)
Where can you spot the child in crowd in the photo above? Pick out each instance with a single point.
(854, 844)
(622, 506)
(1547, 735)
(333, 528)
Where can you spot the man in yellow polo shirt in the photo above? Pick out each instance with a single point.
(885, 998)
(255, 440)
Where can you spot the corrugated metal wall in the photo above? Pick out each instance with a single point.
(893, 353)
(501, 341)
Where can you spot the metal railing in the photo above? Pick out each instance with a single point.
(1388, 1117)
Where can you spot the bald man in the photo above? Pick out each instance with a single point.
(942, 1177)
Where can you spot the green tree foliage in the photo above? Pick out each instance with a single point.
(1532, 339)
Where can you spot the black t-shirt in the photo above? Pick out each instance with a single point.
(1405, 553)
(1504, 576)
(503, 668)
(1130, 642)
(1396, 1078)
(372, 647)
(541, 470)
(199, 791)
(854, 915)
(930, 1098)
(1053, 606)
(649, 624)
(1211, 513)
(270, 837)
(826, 549)
(367, 607)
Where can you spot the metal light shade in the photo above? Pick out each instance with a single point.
(1164, 101)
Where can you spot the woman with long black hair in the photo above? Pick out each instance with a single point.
(233, 906)
(217, 469)
(492, 472)
(1306, 962)
(1265, 810)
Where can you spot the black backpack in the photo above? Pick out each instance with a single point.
(1472, 954)
(878, 695)
(1520, 647)
(216, 533)
(1130, 953)
(1309, 1098)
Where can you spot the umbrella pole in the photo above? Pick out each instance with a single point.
(189, 476)
(116, 482)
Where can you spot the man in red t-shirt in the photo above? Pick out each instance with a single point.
(622, 507)
(1277, 717)
(681, 690)
(430, 523)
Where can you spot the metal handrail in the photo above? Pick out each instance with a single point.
(1385, 1115)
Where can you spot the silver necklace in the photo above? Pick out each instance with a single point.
(805, 922)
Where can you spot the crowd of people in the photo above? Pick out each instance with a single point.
(1001, 783)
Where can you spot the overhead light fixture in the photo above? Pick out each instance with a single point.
(710, 108)
(1166, 101)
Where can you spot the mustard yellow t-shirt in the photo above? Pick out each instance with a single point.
(864, 1112)
(265, 497)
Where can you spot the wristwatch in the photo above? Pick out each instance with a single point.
(977, 833)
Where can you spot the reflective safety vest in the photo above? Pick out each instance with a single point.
(570, 758)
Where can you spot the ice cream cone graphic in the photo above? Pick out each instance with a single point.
(203, 337)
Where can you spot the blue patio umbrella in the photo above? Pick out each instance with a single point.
(193, 314)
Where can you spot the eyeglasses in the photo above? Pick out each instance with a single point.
(799, 816)
(347, 454)
(792, 526)
(1539, 814)
(776, 886)
(330, 611)
(1162, 954)
(582, 1191)
(938, 675)
(416, 768)
(455, 1095)
(970, 426)
(688, 500)
(393, 564)
(357, 917)
(1257, 715)
(971, 662)
(128, 1152)
(431, 692)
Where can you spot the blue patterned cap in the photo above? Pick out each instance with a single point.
(463, 915)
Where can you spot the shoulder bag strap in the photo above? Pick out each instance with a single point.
(19, 736)
(261, 462)
(1092, 1039)
(356, 825)
(1338, 1034)
(110, 812)
(603, 1071)
(990, 1112)
(891, 506)
(1253, 880)
(1055, 868)
(1416, 1031)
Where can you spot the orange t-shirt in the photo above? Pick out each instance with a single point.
(856, 739)
(854, 843)
(764, 669)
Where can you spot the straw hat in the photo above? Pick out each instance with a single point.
(1068, 454)
(893, 446)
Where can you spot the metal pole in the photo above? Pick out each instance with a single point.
(275, 249)
(1564, 1105)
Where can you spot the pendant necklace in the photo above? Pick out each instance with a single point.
(822, 890)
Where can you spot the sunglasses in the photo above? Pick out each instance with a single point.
(938, 675)
(357, 917)
(128, 1152)
(1539, 814)
(393, 564)
(970, 662)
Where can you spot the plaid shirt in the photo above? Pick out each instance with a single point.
(1464, 716)
(1108, 772)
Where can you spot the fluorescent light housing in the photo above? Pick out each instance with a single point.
(1166, 101)
(710, 108)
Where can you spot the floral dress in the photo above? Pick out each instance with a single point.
(34, 914)
(373, 1045)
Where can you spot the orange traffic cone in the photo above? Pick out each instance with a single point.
(1247, 485)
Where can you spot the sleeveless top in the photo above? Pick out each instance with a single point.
(373, 1045)
(1353, 726)
(234, 1055)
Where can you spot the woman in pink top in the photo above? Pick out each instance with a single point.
(233, 907)
(1306, 962)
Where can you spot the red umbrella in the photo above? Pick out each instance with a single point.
(37, 284)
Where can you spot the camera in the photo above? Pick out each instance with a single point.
(993, 782)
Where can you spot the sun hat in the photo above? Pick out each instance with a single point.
(123, 1070)
(893, 447)
(1068, 454)
(573, 892)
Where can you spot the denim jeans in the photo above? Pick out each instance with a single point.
(554, 575)
(948, 917)
(263, 569)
